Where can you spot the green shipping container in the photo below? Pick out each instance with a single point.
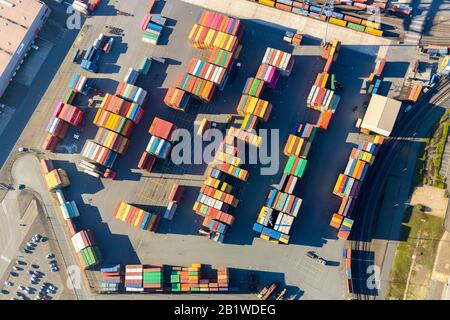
(355, 26)
(301, 166)
(289, 165)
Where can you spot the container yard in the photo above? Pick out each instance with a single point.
(126, 138)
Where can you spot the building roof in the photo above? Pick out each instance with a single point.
(16, 17)
(381, 115)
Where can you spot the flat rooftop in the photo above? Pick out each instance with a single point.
(16, 17)
(381, 115)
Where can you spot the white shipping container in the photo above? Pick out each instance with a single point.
(311, 94)
(60, 196)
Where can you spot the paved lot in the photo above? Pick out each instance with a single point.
(177, 242)
(21, 277)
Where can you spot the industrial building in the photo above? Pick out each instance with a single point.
(20, 23)
(381, 115)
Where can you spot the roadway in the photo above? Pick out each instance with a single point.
(369, 200)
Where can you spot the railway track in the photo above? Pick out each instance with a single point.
(371, 194)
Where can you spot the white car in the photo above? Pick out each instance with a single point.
(8, 283)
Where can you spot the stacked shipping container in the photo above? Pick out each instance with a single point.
(282, 206)
(160, 143)
(163, 279)
(86, 248)
(349, 183)
(315, 11)
(136, 217)
(219, 34)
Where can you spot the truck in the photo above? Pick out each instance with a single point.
(267, 291)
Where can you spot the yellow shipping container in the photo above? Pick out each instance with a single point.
(370, 24)
(284, 240)
(374, 32)
(269, 3)
(338, 22)
(325, 80)
(263, 236)
(338, 183)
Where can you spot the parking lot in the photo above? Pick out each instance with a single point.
(30, 273)
(177, 242)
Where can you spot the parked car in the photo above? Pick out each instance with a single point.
(8, 283)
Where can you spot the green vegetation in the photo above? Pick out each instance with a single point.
(419, 175)
(430, 158)
(420, 235)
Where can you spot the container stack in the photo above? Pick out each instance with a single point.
(69, 210)
(85, 7)
(281, 60)
(216, 200)
(131, 93)
(208, 71)
(222, 58)
(322, 99)
(144, 66)
(177, 99)
(136, 217)
(111, 140)
(347, 257)
(112, 278)
(133, 278)
(315, 11)
(70, 114)
(213, 30)
(199, 88)
(57, 179)
(160, 144)
(245, 135)
(80, 84)
(57, 129)
(131, 76)
(99, 154)
(153, 279)
(189, 279)
(94, 53)
(219, 34)
(113, 122)
(295, 167)
(82, 240)
(253, 87)
(282, 206)
(175, 195)
(349, 183)
(269, 74)
(86, 248)
(159, 148)
(153, 26)
(276, 217)
(119, 106)
(254, 106)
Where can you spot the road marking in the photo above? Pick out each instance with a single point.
(6, 259)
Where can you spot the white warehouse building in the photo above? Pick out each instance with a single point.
(20, 23)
